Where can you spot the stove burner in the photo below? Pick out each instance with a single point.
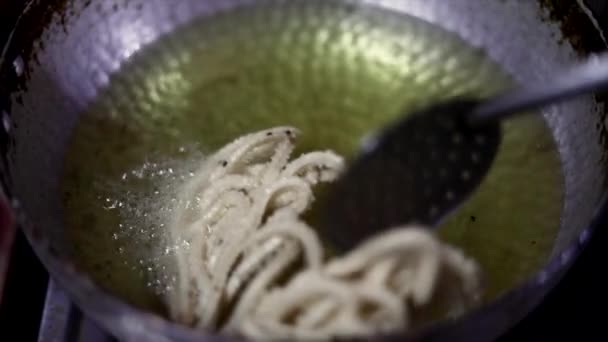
(62, 321)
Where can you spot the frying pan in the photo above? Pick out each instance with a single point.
(60, 55)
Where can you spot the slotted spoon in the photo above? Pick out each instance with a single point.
(422, 167)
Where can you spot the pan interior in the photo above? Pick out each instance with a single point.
(333, 70)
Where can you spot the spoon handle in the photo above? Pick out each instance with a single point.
(589, 76)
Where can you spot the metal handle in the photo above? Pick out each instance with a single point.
(7, 238)
(584, 78)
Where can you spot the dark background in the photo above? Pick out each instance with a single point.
(575, 309)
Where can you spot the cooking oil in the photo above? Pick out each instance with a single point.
(334, 70)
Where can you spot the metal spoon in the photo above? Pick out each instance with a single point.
(422, 167)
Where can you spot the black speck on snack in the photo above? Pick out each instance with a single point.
(269, 133)
(224, 163)
(288, 132)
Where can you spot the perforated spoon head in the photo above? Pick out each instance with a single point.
(415, 171)
(424, 166)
